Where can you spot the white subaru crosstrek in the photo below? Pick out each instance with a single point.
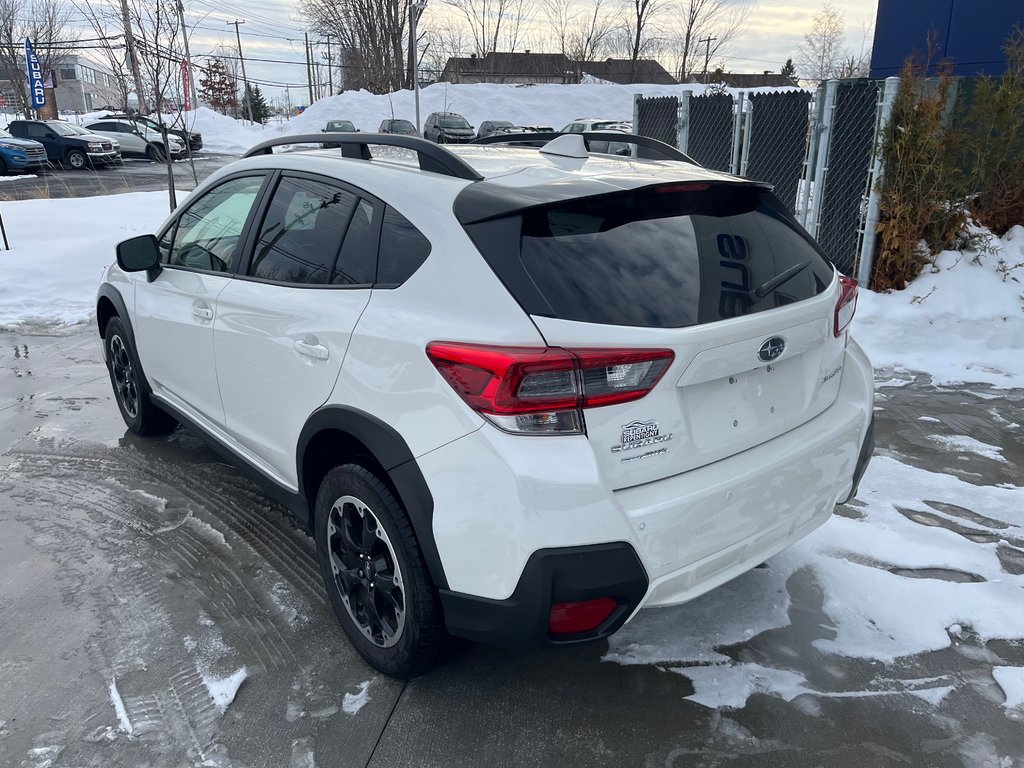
(515, 395)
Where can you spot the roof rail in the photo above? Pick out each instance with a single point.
(432, 157)
(647, 148)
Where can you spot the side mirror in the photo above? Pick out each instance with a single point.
(138, 133)
(50, 135)
(140, 254)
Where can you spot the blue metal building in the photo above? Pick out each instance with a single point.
(969, 32)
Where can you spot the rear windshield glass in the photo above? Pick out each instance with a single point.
(662, 257)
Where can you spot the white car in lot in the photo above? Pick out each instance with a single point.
(138, 140)
(515, 395)
(597, 124)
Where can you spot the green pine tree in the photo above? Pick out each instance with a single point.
(789, 69)
(254, 99)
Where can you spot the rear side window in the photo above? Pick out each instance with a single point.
(403, 248)
(662, 257)
(302, 232)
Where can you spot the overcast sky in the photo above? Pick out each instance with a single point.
(273, 30)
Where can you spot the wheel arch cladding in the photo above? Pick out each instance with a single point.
(337, 434)
(110, 304)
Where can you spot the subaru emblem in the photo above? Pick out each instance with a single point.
(771, 349)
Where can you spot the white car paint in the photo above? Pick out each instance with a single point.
(136, 138)
(723, 497)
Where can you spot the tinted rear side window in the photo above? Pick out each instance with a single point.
(664, 257)
(403, 248)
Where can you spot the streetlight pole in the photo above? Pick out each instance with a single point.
(247, 96)
(415, 9)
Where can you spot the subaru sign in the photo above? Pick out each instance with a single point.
(35, 76)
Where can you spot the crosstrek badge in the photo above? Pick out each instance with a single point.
(638, 434)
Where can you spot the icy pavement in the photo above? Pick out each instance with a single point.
(156, 609)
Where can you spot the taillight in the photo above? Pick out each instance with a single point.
(542, 390)
(586, 616)
(847, 304)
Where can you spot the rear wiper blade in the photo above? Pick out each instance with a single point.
(783, 277)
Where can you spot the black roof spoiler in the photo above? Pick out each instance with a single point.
(432, 157)
(647, 148)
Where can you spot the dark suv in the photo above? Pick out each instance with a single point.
(397, 127)
(448, 128)
(67, 143)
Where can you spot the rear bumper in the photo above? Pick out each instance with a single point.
(501, 500)
(551, 576)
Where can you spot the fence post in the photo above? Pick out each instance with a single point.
(683, 123)
(811, 156)
(747, 122)
(737, 129)
(821, 166)
(636, 112)
(869, 234)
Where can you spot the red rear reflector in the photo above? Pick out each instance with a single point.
(847, 304)
(573, 618)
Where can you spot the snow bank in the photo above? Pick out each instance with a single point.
(59, 249)
(961, 320)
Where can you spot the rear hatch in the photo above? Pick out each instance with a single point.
(720, 274)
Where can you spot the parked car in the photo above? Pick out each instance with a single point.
(586, 124)
(137, 139)
(194, 139)
(398, 127)
(488, 127)
(67, 143)
(337, 126)
(20, 155)
(448, 128)
(512, 416)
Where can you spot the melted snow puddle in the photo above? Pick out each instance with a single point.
(854, 561)
(970, 445)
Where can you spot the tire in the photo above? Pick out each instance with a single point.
(140, 414)
(155, 152)
(403, 635)
(76, 159)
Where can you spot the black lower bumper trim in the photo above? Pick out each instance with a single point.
(867, 448)
(551, 576)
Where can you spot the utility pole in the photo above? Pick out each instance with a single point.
(415, 9)
(330, 64)
(247, 97)
(188, 56)
(309, 69)
(133, 59)
(707, 54)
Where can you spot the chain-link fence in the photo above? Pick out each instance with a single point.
(657, 118)
(706, 129)
(776, 131)
(842, 188)
(819, 151)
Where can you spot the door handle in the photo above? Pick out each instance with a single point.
(316, 351)
(202, 313)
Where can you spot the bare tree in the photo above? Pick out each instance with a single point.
(493, 24)
(372, 38)
(580, 30)
(637, 18)
(46, 22)
(696, 21)
(441, 40)
(106, 22)
(823, 51)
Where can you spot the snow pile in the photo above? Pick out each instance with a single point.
(59, 249)
(353, 702)
(223, 689)
(961, 320)
(224, 134)
(1011, 680)
(853, 561)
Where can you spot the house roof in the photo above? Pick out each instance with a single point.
(511, 63)
(743, 80)
(621, 71)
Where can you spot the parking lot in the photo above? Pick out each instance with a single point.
(157, 609)
(127, 176)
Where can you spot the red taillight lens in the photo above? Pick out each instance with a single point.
(586, 616)
(847, 304)
(543, 389)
